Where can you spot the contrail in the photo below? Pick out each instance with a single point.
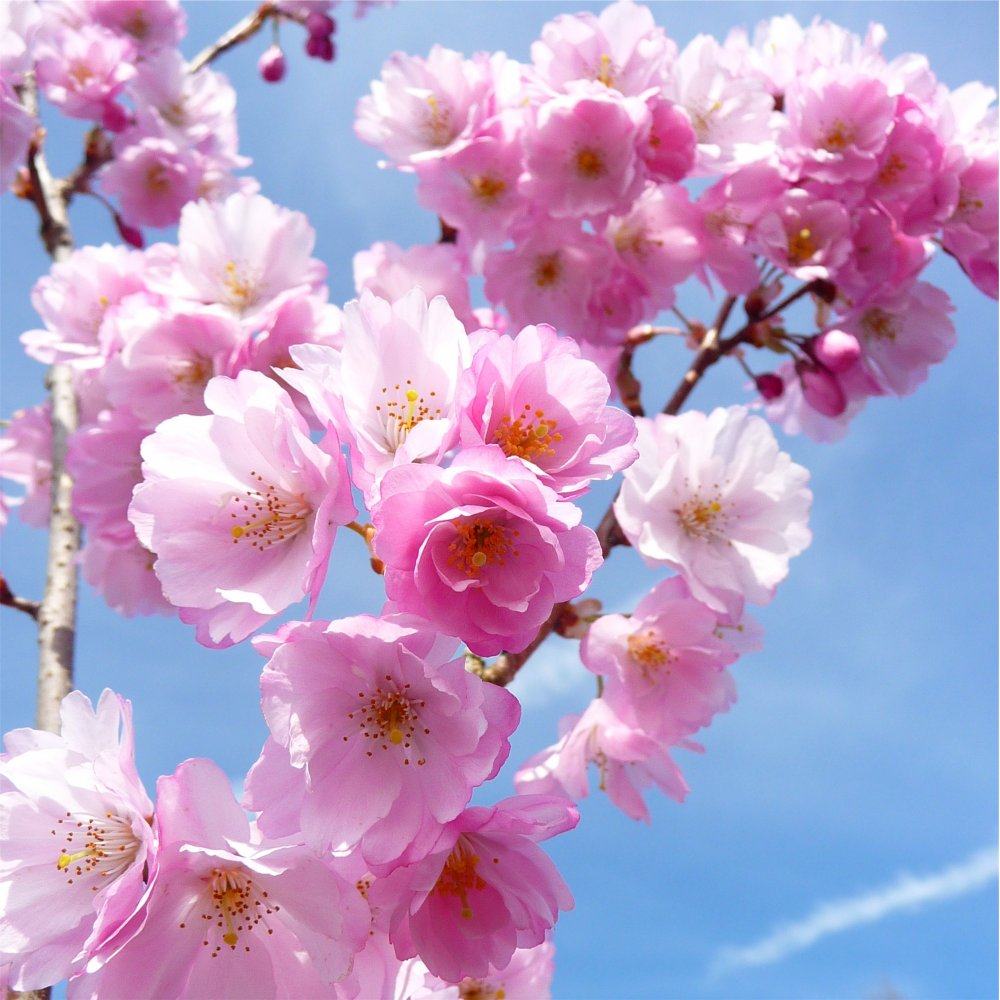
(907, 892)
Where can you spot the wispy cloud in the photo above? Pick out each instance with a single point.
(907, 892)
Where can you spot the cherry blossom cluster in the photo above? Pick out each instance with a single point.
(232, 420)
(162, 136)
(98, 884)
(818, 159)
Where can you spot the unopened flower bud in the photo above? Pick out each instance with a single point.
(770, 386)
(837, 349)
(271, 64)
(821, 390)
(132, 235)
(320, 25)
(114, 117)
(824, 289)
(319, 47)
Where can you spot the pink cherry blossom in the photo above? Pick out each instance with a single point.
(580, 152)
(543, 404)
(712, 497)
(628, 760)
(82, 69)
(390, 391)
(393, 733)
(423, 107)
(121, 571)
(484, 890)
(482, 549)
(151, 24)
(621, 47)
(18, 126)
(664, 665)
(549, 276)
(240, 507)
(390, 272)
(26, 459)
(238, 917)
(245, 254)
(73, 300)
(77, 837)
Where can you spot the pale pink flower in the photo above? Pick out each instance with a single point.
(121, 571)
(77, 837)
(482, 549)
(240, 507)
(82, 69)
(26, 459)
(628, 760)
(245, 254)
(712, 497)
(527, 976)
(580, 152)
(484, 890)
(390, 391)
(549, 276)
(659, 240)
(903, 332)
(420, 108)
(393, 734)
(73, 300)
(535, 397)
(17, 126)
(838, 123)
(103, 459)
(151, 24)
(970, 234)
(153, 180)
(474, 189)
(664, 664)
(792, 411)
(730, 114)
(621, 47)
(234, 916)
(389, 272)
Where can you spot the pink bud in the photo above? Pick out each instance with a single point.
(837, 349)
(320, 24)
(769, 386)
(319, 47)
(114, 117)
(821, 391)
(130, 234)
(271, 64)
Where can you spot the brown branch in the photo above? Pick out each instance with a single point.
(238, 33)
(9, 599)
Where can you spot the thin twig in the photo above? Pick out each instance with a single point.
(238, 33)
(9, 599)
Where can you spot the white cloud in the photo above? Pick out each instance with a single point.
(907, 892)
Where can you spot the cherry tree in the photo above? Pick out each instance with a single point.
(648, 276)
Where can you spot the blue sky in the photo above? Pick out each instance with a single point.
(863, 745)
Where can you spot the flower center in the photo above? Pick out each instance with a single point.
(267, 515)
(237, 906)
(878, 324)
(589, 164)
(801, 246)
(240, 288)
(389, 717)
(521, 437)
(402, 408)
(893, 168)
(838, 136)
(459, 876)
(648, 653)
(102, 846)
(486, 188)
(547, 270)
(480, 542)
(704, 519)
(437, 130)
(480, 989)
(605, 71)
